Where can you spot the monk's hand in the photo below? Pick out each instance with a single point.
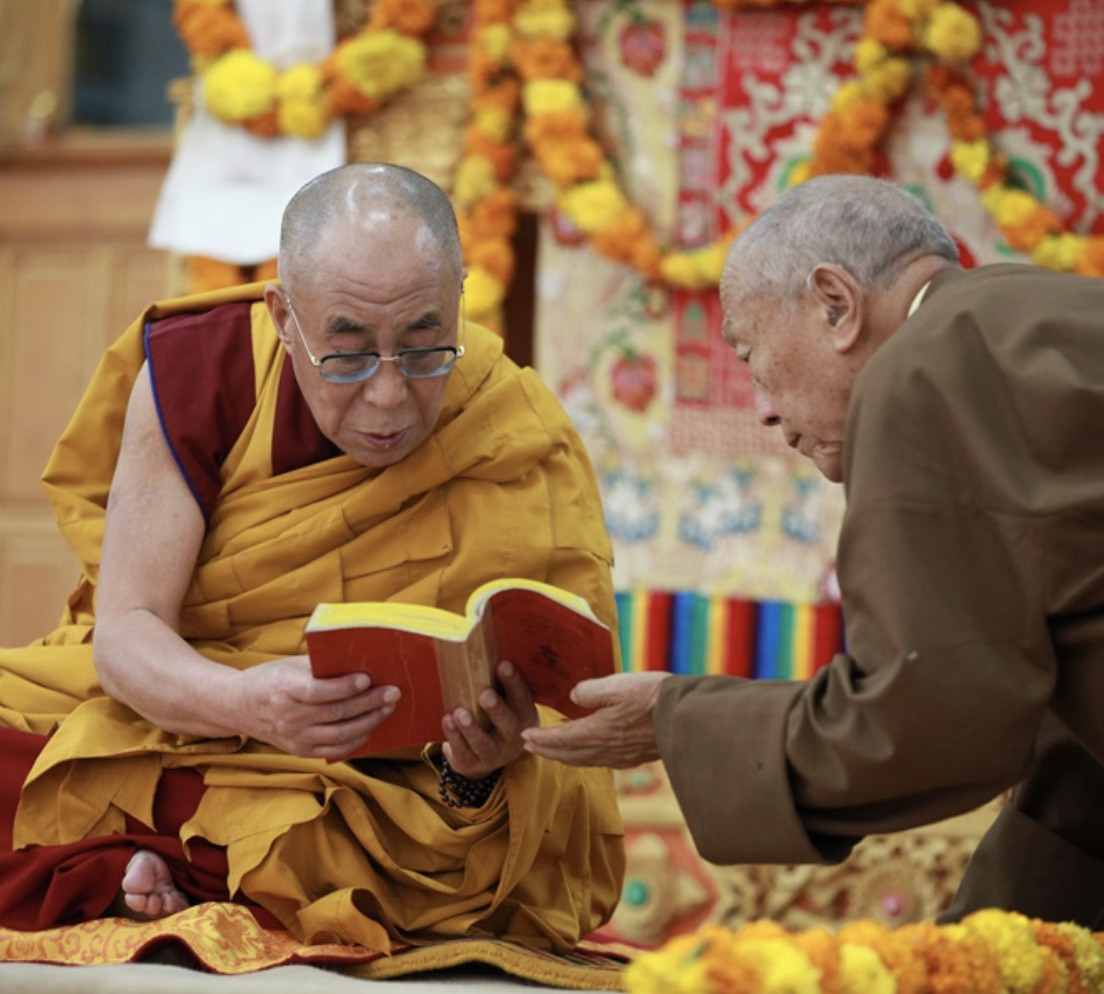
(284, 704)
(474, 750)
(619, 734)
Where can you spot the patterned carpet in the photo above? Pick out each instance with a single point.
(213, 940)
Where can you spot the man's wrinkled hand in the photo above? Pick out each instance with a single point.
(619, 734)
(474, 750)
(284, 704)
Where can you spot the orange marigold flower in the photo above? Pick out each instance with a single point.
(555, 126)
(1025, 235)
(899, 955)
(823, 951)
(495, 255)
(265, 125)
(502, 94)
(884, 22)
(570, 162)
(863, 124)
(966, 127)
(995, 173)
(483, 71)
(617, 240)
(494, 216)
(962, 964)
(207, 30)
(344, 98)
(1091, 262)
(502, 156)
(1060, 943)
(545, 58)
(412, 17)
(646, 258)
(492, 11)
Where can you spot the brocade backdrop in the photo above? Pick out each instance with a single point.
(707, 113)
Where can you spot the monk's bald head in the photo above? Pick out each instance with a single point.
(365, 196)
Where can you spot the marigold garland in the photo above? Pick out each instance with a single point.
(988, 952)
(526, 83)
(529, 43)
(384, 58)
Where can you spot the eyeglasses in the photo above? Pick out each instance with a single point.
(353, 367)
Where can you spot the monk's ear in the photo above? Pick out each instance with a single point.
(277, 306)
(840, 298)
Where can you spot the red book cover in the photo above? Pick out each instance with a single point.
(441, 660)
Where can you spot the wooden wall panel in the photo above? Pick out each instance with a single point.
(75, 270)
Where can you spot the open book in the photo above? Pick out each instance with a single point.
(441, 660)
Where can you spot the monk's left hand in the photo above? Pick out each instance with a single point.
(474, 751)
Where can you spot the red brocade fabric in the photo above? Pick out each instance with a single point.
(46, 886)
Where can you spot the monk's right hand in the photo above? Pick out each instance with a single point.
(284, 704)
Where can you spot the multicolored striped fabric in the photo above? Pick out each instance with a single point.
(694, 633)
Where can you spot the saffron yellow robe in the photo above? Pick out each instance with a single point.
(359, 852)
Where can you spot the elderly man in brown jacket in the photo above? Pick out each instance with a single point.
(964, 413)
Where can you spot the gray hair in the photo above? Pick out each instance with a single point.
(871, 227)
(361, 193)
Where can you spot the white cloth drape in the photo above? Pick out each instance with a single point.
(226, 189)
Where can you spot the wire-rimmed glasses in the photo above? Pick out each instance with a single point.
(353, 367)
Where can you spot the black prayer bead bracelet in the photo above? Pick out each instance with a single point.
(458, 791)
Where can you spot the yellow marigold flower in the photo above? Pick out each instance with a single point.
(483, 293)
(495, 122)
(918, 10)
(868, 53)
(863, 972)
(545, 96)
(681, 269)
(239, 86)
(784, 968)
(299, 82)
(711, 260)
(1014, 208)
(301, 118)
(848, 94)
(474, 180)
(302, 111)
(209, 3)
(1088, 953)
(1059, 252)
(592, 206)
(545, 18)
(1012, 940)
(382, 63)
(889, 80)
(970, 159)
(953, 33)
(494, 40)
(677, 968)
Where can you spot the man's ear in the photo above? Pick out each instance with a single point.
(840, 297)
(277, 307)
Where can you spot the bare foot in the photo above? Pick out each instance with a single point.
(148, 889)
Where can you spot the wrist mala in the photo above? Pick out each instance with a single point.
(458, 791)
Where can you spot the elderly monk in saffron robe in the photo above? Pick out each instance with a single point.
(238, 458)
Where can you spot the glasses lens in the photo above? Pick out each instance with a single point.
(349, 368)
(420, 363)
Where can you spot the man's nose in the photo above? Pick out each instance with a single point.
(764, 408)
(386, 387)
